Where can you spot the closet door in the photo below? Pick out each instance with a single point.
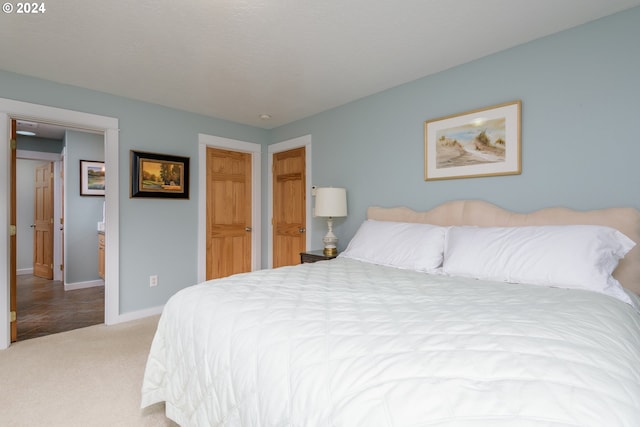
(229, 210)
(289, 206)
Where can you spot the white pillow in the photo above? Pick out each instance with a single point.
(404, 245)
(571, 256)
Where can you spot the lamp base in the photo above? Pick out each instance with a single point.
(330, 240)
(330, 251)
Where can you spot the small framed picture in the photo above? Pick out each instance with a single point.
(159, 175)
(483, 142)
(91, 178)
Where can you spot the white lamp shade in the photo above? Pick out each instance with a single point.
(331, 202)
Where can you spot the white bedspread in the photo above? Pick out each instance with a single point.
(344, 343)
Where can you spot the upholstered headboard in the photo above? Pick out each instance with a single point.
(480, 213)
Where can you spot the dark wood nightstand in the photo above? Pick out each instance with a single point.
(313, 256)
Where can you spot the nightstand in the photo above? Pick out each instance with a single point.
(313, 256)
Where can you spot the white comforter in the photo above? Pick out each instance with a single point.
(344, 343)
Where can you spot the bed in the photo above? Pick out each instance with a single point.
(464, 315)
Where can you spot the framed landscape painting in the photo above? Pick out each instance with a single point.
(159, 175)
(483, 142)
(91, 178)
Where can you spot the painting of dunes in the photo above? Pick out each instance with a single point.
(471, 144)
(482, 142)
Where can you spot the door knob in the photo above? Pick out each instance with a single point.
(302, 229)
(247, 229)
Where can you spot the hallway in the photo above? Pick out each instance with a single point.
(45, 308)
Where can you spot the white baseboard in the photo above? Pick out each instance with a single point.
(140, 314)
(22, 271)
(83, 285)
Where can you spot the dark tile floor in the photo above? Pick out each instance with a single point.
(45, 308)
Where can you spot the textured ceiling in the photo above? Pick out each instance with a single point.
(238, 59)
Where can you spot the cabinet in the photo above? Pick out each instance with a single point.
(313, 256)
(101, 255)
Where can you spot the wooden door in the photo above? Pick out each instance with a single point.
(228, 213)
(289, 206)
(43, 219)
(13, 306)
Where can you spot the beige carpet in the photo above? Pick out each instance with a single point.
(86, 377)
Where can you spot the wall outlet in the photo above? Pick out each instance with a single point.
(153, 281)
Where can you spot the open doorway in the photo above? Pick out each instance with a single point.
(108, 126)
(58, 286)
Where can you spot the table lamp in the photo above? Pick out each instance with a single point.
(330, 203)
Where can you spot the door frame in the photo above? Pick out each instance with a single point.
(255, 150)
(302, 141)
(108, 126)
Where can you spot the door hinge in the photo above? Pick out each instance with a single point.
(51, 266)
(12, 317)
(12, 230)
(13, 144)
(61, 267)
(52, 220)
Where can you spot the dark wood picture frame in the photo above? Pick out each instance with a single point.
(91, 178)
(155, 175)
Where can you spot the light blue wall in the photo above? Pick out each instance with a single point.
(156, 236)
(580, 92)
(82, 213)
(45, 145)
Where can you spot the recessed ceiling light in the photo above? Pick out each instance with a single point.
(265, 116)
(25, 132)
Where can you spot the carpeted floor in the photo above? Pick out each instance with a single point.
(85, 377)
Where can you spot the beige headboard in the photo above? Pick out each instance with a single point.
(480, 213)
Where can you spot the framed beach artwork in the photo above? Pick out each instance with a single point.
(159, 175)
(91, 178)
(483, 142)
